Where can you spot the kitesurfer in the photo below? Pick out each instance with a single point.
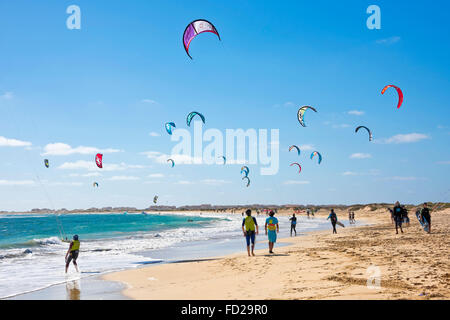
(72, 253)
(250, 229)
(272, 228)
(333, 217)
(397, 213)
(425, 216)
(293, 220)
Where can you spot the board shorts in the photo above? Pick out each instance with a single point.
(250, 236)
(73, 255)
(272, 235)
(398, 221)
(427, 218)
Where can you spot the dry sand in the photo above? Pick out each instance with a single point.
(413, 265)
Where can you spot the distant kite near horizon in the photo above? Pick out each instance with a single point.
(368, 130)
(171, 161)
(318, 154)
(299, 166)
(191, 115)
(399, 91)
(46, 163)
(195, 28)
(99, 160)
(301, 114)
(169, 126)
(294, 147)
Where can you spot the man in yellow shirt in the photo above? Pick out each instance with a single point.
(250, 228)
(72, 253)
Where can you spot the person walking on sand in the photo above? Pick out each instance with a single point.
(350, 217)
(293, 220)
(250, 228)
(353, 217)
(333, 218)
(271, 227)
(398, 216)
(425, 216)
(72, 253)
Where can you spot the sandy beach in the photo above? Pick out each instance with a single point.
(320, 265)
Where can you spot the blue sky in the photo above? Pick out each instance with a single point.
(111, 84)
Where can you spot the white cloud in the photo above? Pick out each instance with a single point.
(66, 184)
(7, 95)
(17, 182)
(360, 156)
(296, 182)
(63, 149)
(5, 142)
(339, 126)
(356, 112)
(389, 41)
(154, 134)
(405, 138)
(91, 174)
(214, 182)
(90, 166)
(123, 178)
(184, 182)
(306, 147)
(149, 101)
(349, 173)
(162, 158)
(397, 178)
(156, 175)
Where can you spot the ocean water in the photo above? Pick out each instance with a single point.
(32, 253)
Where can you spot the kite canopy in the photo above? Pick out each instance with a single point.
(399, 91)
(368, 130)
(46, 163)
(248, 180)
(169, 126)
(294, 147)
(299, 166)
(195, 28)
(172, 162)
(301, 113)
(192, 115)
(246, 170)
(99, 160)
(95, 184)
(224, 159)
(318, 154)
(155, 199)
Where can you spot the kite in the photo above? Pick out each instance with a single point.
(155, 199)
(399, 91)
(368, 130)
(294, 146)
(318, 154)
(301, 113)
(171, 161)
(195, 28)
(248, 180)
(192, 115)
(99, 160)
(95, 184)
(224, 159)
(46, 163)
(299, 166)
(246, 170)
(169, 126)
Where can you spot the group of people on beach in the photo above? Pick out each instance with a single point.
(399, 215)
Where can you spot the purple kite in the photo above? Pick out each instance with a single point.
(193, 29)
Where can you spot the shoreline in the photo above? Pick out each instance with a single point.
(318, 265)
